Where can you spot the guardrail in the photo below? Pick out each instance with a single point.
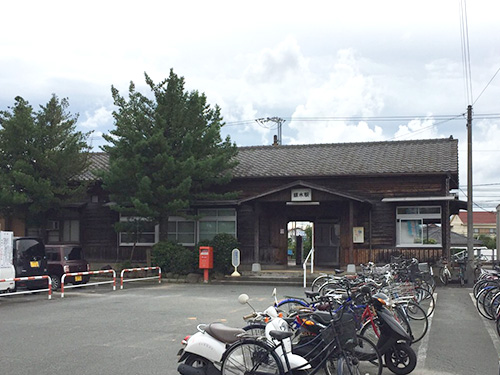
(140, 278)
(88, 284)
(29, 278)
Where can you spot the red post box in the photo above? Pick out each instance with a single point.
(206, 257)
(206, 260)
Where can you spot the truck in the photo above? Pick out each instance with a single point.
(23, 256)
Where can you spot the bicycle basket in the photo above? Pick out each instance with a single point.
(344, 328)
(424, 267)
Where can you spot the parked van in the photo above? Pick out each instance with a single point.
(7, 270)
(29, 260)
(63, 259)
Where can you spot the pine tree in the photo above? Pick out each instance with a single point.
(41, 156)
(165, 152)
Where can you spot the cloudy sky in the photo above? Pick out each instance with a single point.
(333, 71)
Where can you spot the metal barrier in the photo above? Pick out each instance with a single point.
(29, 278)
(140, 278)
(88, 284)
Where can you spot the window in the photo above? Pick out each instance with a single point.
(417, 226)
(215, 221)
(67, 230)
(139, 232)
(71, 231)
(181, 230)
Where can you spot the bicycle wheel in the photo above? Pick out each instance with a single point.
(481, 299)
(370, 331)
(320, 280)
(251, 357)
(479, 286)
(426, 300)
(498, 324)
(364, 359)
(488, 302)
(494, 306)
(331, 287)
(291, 306)
(415, 320)
(444, 275)
(368, 356)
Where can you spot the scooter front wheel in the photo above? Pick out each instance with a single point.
(401, 359)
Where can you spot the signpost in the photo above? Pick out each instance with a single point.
(235, 260)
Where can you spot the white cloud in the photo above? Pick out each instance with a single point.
(334, 132)
(278, 64)
(96, 119)
(346, 92)
(418, 129)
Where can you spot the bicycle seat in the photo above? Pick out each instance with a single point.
(324, 317)
(311, 294)
(224, 333)
(280, 335)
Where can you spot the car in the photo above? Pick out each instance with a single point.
(29, 260)
(66, 258)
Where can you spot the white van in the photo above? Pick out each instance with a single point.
(7, 270)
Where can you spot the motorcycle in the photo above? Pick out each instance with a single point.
(393, 340)
(202, 353)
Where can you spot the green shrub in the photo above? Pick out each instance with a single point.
(175, 258)
(223, 245)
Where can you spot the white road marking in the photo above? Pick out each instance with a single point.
(424, 344)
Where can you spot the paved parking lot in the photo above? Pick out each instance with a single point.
(138, 330)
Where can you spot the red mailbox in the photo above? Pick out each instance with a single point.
(206, 257)
(206, 260)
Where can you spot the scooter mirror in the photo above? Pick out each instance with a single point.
(243, 298)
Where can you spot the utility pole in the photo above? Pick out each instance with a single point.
(498, 232)
(470, 222)
(279, 124)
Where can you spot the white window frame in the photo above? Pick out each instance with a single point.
(417, 216)
(156, 233)
(177, 220)
(218, 217)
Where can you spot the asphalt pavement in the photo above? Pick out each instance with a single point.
(138, 330)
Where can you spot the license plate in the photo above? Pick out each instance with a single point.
(78, 278)
(34, 264)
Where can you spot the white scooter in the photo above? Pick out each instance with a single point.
(203, 352)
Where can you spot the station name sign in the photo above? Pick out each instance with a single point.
(301, 195)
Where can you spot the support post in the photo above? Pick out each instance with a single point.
(469, 274)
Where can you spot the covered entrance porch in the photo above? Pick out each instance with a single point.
(334, 216)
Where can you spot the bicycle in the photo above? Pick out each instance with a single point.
(336, 349)
(444, 272)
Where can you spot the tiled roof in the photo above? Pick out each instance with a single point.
(456, 239)
(479, 217)
(428, 156)
(98, 161)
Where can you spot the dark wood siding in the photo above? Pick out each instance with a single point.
(99, 238)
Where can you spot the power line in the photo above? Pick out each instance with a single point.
(492, 78)
(464, 33)
(443, 118)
